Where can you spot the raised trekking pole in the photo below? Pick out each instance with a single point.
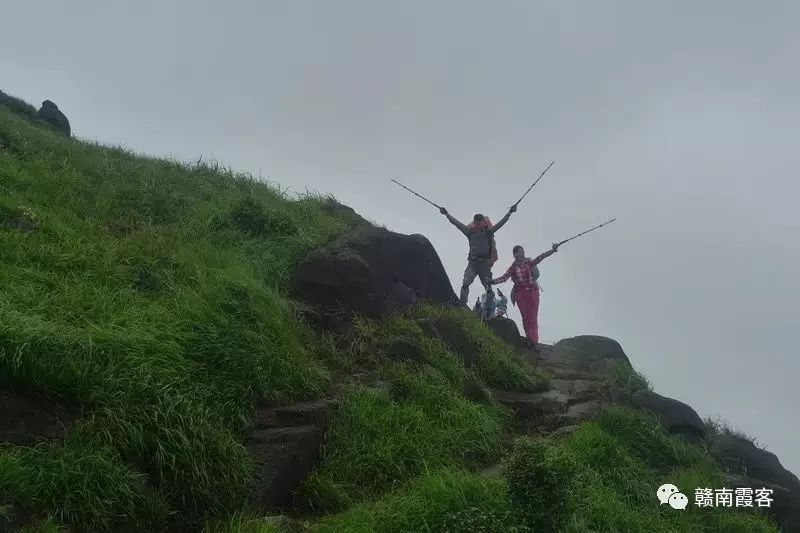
(534, 183)
(587, 231)
(416, 194)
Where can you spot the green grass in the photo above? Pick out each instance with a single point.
(497, 363)
(446, 500)
(153, 294)
(383, 438)
(421, 420)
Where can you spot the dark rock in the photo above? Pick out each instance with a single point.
(282, 457)
(785, 506)
(373, 272)
(299, 414)
(595, 348)
(284, 446)
(26, 418)
(453, 336)
(676, 417)
(507, 329)
(404, 349)
(50, 114)
(739, 455)
(527, 405)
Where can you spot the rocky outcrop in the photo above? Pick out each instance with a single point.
(373, 272)
(284, 444)
(676, 417)
(785, 506)
(739, 455)
(52, 115)
(577, 391)
(595, 350)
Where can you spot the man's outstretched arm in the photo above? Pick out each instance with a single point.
(504, 219)
(454, 221)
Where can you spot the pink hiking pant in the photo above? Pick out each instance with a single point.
(528, 303)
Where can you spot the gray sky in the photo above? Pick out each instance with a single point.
(680, 118)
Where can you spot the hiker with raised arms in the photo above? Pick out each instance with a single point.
(524, 272)
(482, 250)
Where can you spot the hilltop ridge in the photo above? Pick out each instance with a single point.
(186, 348)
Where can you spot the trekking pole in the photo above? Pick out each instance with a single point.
(534, 183)
(416, 194)
(587, 231)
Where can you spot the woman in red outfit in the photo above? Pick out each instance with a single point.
(524, 272)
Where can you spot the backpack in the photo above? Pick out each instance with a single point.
(492, 243)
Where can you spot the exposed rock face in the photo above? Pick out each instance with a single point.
(284, 445)
(741, 455)
(785, 507)
(371, 271)
(26, 418)
(676, 417)
(578, 390)
(50, 113)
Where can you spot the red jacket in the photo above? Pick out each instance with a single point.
(521, 273)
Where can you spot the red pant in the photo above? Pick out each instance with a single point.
(528, 303)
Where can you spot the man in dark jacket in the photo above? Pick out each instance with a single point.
(482, 249)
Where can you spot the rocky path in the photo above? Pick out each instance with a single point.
(578, 369)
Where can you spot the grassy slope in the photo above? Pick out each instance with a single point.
(152, 294)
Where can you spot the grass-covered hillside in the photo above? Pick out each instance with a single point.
(151, 300)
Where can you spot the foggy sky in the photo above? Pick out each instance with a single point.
(680, 118)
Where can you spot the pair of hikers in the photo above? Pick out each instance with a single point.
(523, 271)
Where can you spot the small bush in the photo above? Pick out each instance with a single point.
(542, 480)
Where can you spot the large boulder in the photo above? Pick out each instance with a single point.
(373, 272)
(50, 113)
(676, 417)
(742, 456)
(594, 348)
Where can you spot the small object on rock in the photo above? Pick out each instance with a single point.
(676, 417)
(50, 113)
